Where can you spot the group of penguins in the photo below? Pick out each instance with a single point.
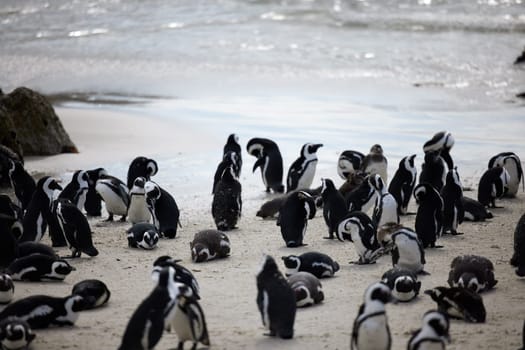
(174, 305)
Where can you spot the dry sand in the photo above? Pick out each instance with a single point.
(228, 287)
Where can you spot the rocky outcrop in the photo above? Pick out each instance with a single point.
(30, 126)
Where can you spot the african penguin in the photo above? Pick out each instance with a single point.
(182, 274)
(94, 292)
(209, 245)
(473, 272)
(270, 161)
(138, 208)
(270, 208)
(433, 170)
(318, 264)
(518, 257)
(403, 283)
(474, 210)
(385, 209)
(7, 288)
(275, 300)
(22, 183)
(93, 205)
(230, 159)
(357, 227)
(512, 163)
(15, 334)
(433, 334)
(493, 185)
(115, 194)
(189, 323)
(297, 209)
(406, 249)
(453, 212)
(460, 303)
(76, 190)
(334, 206)
(376, 163)
(37, 267)
(370, 329)
(39, 210)
(42, 311)
(362, 198)
(141, 166)
(232, 145)
(163, 208)
(442, 142)
(403, 183)
(302, 171)
(226, 206)
(143, 235)
(349, 163)
(429, 216)
(307, 288)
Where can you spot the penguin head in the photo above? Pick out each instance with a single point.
(302, 295)
(95, 174)
(149, 239)
(377, 183)
(48, 185)
(376, 149)
(233, 139)
(151, 168)
(199, 252)
(268, 266)
(6, 283)
(309, 149)
(327, 185)
(16, 330)
(75, 303)
(255, 148)
(61, 267)
(139, 182)
(439, 322)
(469, 281)
(420, 191)
(378, 292)
(406, 288)
(408, 162)
(81, 178)
(152, 191)
(292, 263)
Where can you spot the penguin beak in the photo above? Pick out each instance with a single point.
(317, 146)
(55, 186)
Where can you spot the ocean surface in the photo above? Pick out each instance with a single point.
(347, 74)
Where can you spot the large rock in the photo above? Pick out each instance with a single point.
(30, 126)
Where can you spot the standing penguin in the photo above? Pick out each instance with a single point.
(460, 303)
(433, 170)
(226, 207)
(181, 275)
(429, 217)
(403, 283)
(230, 159)
(349, 163)
(232, 145)
(403, 183)
(473, 272)
(7, 288)
(442, 142)
(434, 333)
(370, 330)
(93, 205)
(512, 163)
(334, 206)
(138, 208)
(189, 323)
(141, 166)
(376, 163)
(209, 245)
(15, 334)
(493, 184)
(518, 258)
(318, 264)
(163, 209)
(453, 212)
(39, 210)
(77, 189)
(385, 209)
(275, 300)
(115, 194)
(270, 161)
(297, 209)
(22, 183)
(407, 250)
(362, 198)
(357, 227)
(307, 288)
(302, 171)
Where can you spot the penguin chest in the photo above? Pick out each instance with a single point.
(374, 334)
(307, 177)
(181, 324)
(114, 203)
(138, 209)
(388, 210)
(514, 178)
(19, 343)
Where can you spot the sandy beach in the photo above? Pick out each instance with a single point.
(228, 287)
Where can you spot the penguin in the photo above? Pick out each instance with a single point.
(474, 210)
(408, 251)
(232, 145)
(270, 161)
(362, 198)
(137, 208)
(518, 257)
(403, 283)
(28, 248)
(181, 275)
(163, 208)
(230, 159)
(94, 292)
(42, 311)
(402, 184)
(15, 334)
(189, 323)
(226, 206)
(307, 288)
(473, 272)
(22, 183)
(7, 288)
(148, 321)
(7, 155)
(459, 303)
(376, 163)
(115, 194)
(302, 171)
(275, 300)
(143, 235)
(453, 212)
(442, 142)
(270, 208)
(77, 189)
(318, 264)
(512, 163)
(493, 185)
(334, 206)
(75, 227)
(93, 204)
(357, 227)
(385, 209)
(370, 329)
(434, 334)
(141, 166)
(209, 245)
(349, 163)
(429, 216)
(433, 170)
(37, 267)
(8, 242)
(297, 209)
(39, 210)
(13, 216)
